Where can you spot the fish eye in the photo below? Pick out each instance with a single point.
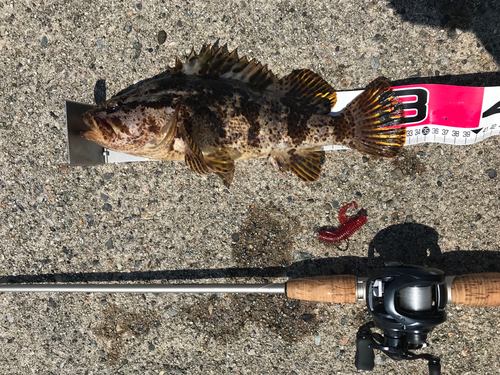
(112, 107)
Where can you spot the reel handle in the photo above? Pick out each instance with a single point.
(434, 368)
(476, 289)
(365, 357)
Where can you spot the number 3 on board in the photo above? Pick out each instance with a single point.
(415, 110)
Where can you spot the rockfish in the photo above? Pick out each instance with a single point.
(216, 108)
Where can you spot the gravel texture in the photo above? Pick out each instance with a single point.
(436, 205)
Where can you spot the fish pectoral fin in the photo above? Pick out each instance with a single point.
(193, 155)
(196, 163)
(221, 163)
(305, 164)
(308, 90)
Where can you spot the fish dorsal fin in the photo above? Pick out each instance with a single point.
(217, 61)
(305, 164)
(309, 90)
(303, 87)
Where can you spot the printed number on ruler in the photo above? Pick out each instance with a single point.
(449, 135)
(416, 104)
(493, 110)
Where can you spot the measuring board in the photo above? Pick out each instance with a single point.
(454, 115)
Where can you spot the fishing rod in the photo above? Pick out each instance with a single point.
(406, 302)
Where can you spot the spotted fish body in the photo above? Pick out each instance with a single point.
(217, 108)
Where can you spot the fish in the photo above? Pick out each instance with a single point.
(216, 108)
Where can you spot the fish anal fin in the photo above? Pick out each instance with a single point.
(305, 164)
(309, 90)
(280, 162)
(221, 163)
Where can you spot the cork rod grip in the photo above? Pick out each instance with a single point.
(333, 288)
(477, 289)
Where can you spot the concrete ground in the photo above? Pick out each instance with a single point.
(435, 205)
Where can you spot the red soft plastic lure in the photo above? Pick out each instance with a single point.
(348, 227)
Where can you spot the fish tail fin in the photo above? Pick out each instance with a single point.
(373, 116)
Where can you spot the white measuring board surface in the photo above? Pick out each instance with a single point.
(454, 115)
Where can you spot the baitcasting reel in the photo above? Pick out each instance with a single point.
(406, 303)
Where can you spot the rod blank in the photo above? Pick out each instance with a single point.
(470, 290)
(148, 288)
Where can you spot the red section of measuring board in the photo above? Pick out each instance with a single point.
(431, 104)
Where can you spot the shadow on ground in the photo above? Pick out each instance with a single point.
(409, 243)
(479, 16)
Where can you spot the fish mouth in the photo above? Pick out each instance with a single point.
(88, 120)
(100, 129)
(98, 125)
(103, 123)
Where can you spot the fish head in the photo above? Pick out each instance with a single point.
(133, 127)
